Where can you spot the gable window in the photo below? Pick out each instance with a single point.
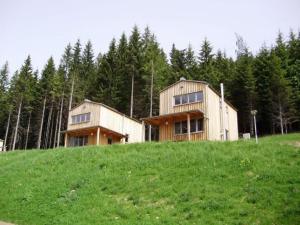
(81, 118)
(192, 97)
(177, 100)
(188, 98)
(184, 99)
(196, 126)
(199, 96)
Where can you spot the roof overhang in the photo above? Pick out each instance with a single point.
(157, 120)
(92, 130)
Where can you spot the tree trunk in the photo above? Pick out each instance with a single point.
(151, 99)
(17, 126)
(48, 125)
(60, 118)
(71, 95)
(6, 132)
(27, 133)
(56, 127)
(280, 118)
(132, 87)
(41, 126)
(51, 130)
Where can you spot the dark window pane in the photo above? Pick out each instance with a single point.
(184, 127)
(177, 128)
(78, 119)
(88, 116)
(200, 124)
(184, 99)
(192, 97)
(177, 100)
(82, 118)
(73, 119)
(193, 125)
(199, 96)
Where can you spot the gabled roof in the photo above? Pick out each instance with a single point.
(202, 82)
(192, 81)
(106, 106)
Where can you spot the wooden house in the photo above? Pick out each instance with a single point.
(92, 123)
(192, 110)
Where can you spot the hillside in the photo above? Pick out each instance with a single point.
(155, 183)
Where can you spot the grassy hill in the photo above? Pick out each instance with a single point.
(155, 183)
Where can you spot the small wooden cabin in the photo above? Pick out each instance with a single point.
(92, 123)
(192, 110)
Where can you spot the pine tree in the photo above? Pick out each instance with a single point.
(243, 88)
(207, 72)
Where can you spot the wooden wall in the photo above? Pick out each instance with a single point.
(166, 105)
(86, 107)
(121, 124)
(167, 132)
(108, 118)
(210, 106)
(215, 117)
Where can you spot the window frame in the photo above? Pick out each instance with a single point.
(181, 126)
(196, 99)
(81, 118)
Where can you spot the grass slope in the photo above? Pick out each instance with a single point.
(155, 183)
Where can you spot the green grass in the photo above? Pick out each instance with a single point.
(155, 183)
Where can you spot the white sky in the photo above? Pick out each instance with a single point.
(43, 28)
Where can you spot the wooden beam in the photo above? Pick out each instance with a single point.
(98, 136)
(189, 126)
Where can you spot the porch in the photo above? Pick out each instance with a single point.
(92, 136)
(181, 126)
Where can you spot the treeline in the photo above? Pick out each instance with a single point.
(34, 105)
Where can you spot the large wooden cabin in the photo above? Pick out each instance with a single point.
(192, 110)
(92, 123)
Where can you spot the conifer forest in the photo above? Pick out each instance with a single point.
(34, 104)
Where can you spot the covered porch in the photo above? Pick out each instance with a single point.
(92, 136)
(180, 126)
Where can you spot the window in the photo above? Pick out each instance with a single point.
(178, 128)
(177, 100)
(188, 98)
(199, 96)
(81, 118)
(200, 125)
(196, 126)
(78, 141)
(193, 126)
(184, 99)
(192, 97)
(184, 127)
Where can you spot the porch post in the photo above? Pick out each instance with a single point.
(189, 126)
(98, 136)
(66, 139)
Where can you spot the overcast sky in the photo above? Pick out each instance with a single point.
(43, 28)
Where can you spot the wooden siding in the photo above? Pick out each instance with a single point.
(107, 118)
(210, 106)
(167, 132)
(121, 124)
(167, 106)
(215, 118)
(85, 108)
